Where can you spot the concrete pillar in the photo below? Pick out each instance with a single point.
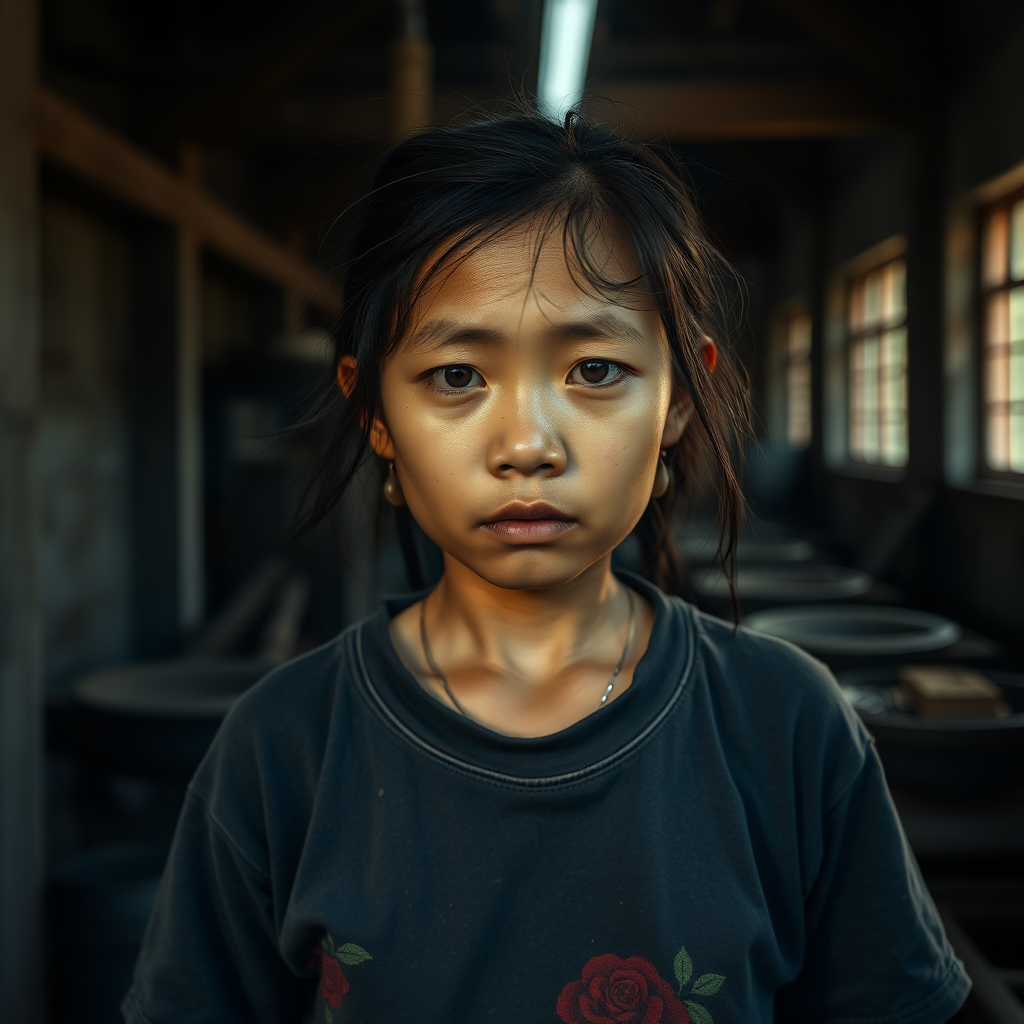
(412, 70)
(22, 848)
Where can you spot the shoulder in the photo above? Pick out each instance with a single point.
(764, 669)
(290, 707)
(263, 769)
(778, 704)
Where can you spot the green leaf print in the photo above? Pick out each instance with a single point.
(328, 1016)
(683, 967)
(698, 1014)
(707, 984)
(350, 954)
(324, 945)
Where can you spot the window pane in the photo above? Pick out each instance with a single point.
(995, 247)
(893, 405)
(870, 431)
(799, 411)
(997, 327)
(1016, 315)
(998, 376)
(1015, 372)
(856, 399)
(877, 394)
(894, 292)
(799, 336)
(1017, 438)
(857, 306)
(798, 380)
(872, 297)
(1017, 240)
(1003, 258)
(998, 446)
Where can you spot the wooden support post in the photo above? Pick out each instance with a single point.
(412, 70)
(83, 146)
(191, 565)
(22, 848)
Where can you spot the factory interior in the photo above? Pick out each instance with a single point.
(176, 188)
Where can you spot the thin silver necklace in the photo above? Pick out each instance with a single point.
(462, 711)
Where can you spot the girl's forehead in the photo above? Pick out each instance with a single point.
(533, 264)
(518, 286)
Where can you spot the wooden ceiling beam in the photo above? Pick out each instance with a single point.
(871, 47)
(73, 140)
(682, 110)
(250, 94)
(737, 109)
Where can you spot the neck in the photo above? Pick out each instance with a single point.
(524, 635)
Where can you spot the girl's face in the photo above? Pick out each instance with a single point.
(524, 416)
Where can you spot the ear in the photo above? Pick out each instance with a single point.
(679, 413)
(380, 439)
(347, 366)
(709, 353)
(681, 409)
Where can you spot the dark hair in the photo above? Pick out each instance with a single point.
(442, 193)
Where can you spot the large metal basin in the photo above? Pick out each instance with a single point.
(157, 718)
(940, 754)
(845, 634)
(786, 583)
(703, 550)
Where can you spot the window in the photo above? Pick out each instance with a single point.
(1002, 308)
(798, 379)
(877, 366)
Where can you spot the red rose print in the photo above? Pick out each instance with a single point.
(616, 991)
(333, 983)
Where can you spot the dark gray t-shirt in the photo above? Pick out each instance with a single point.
(716, 845)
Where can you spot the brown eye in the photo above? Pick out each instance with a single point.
(595, 371)
(457, 377)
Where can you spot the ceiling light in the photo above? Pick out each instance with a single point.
(564, 51)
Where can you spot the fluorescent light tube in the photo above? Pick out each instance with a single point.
(566, 33)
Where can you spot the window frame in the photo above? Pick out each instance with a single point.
(984, 472)
(878, 329)
(835, 391)
(778, 366)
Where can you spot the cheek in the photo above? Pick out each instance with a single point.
(627, 443)
(618, 465)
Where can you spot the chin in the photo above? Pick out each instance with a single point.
(530, 569)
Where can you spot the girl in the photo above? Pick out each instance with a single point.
(542, 791)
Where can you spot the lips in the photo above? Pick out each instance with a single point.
(528, 522)
(520, 510)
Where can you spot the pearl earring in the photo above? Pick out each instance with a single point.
(392, 488)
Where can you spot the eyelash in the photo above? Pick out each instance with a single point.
(431, 376)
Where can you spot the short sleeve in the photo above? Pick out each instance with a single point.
(210, 951)
(875, 947)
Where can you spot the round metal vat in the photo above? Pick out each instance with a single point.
(940, 754)
(159, 718)
(786, 583)
(852, 630)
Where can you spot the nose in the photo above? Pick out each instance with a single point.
(525, 439)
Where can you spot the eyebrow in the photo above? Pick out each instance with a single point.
(603, 324)
(443, 331)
